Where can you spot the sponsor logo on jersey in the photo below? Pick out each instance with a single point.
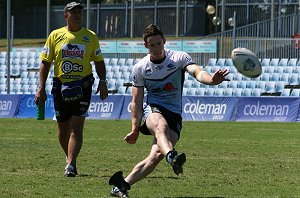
(73, 51)
(98, 51)
(159, 67)
(46, 50)
(170, 66)
(68, 67)
(188, 59)
(148, 72)
(166, 88)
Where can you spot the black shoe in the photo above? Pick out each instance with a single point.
(178, 162)
(118, 180)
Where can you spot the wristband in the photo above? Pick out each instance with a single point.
(102, 81)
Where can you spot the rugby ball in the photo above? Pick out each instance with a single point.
(246, 62)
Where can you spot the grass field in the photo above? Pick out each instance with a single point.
(224, 159)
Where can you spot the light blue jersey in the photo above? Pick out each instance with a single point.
(164, 81)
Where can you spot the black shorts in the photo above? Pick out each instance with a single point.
(174, 120)
(65, 110)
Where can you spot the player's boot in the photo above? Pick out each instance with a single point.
(116, 192)
(177, 162)
(74, 166)
(121, 186)
(70, 171)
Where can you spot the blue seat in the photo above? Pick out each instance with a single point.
(129, 62)
(246, 92)
(200, 91)
(251, 84)
(218, 92)
(242, 84)
(274, 62)
(270, 86)
(228, 92)
(279, 87)
(256, 92)
(237, 92)
(265, 62)
(261, 85)
(191, 91)
(292, 62)
(228, 62)
(215, 68)
(285, 92)
(294, 79)
(188, 83)
(121, 61)
(265, 77)
(233, 84)
(270, 69)
(238, 77)
(209, 91)
(295, 93)
(283, 62)
(288, 69)
(224, 84)
(212, 62)
(284, 77)
(275, 77)
(221, 62)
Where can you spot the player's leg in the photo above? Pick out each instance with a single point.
(76, 138)
(63, 129)
(145, 167)
(159, 128)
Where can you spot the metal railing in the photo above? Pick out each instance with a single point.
(270, 38)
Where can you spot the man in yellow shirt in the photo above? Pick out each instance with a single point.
(72, 48)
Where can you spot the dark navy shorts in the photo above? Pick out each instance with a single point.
(65, 110)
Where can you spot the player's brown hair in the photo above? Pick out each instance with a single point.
(152, 30)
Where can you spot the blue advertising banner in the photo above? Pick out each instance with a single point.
(28, 108)
(200, 46)
(267, 109)
(9, 105)
(174, 45)
(208, 108)
(109, 108)
(126, 110)
(131, 47)
(108, 46)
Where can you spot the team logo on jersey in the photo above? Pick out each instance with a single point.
(188, 59)
(134, 78)
(68, 67)
(85, 39)
(166, 88)
(148, 72)
(73, 51)
(159, 67)
(98, 51)
(170, 66)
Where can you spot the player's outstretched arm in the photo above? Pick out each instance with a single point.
(205, 78)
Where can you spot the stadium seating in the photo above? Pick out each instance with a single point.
(277, 76)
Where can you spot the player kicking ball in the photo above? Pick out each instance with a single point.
(161, 72)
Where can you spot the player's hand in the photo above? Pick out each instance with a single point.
(40, 96)
(102, 88)
(219, 76)
(131, 137)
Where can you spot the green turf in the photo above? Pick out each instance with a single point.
(224, 159)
